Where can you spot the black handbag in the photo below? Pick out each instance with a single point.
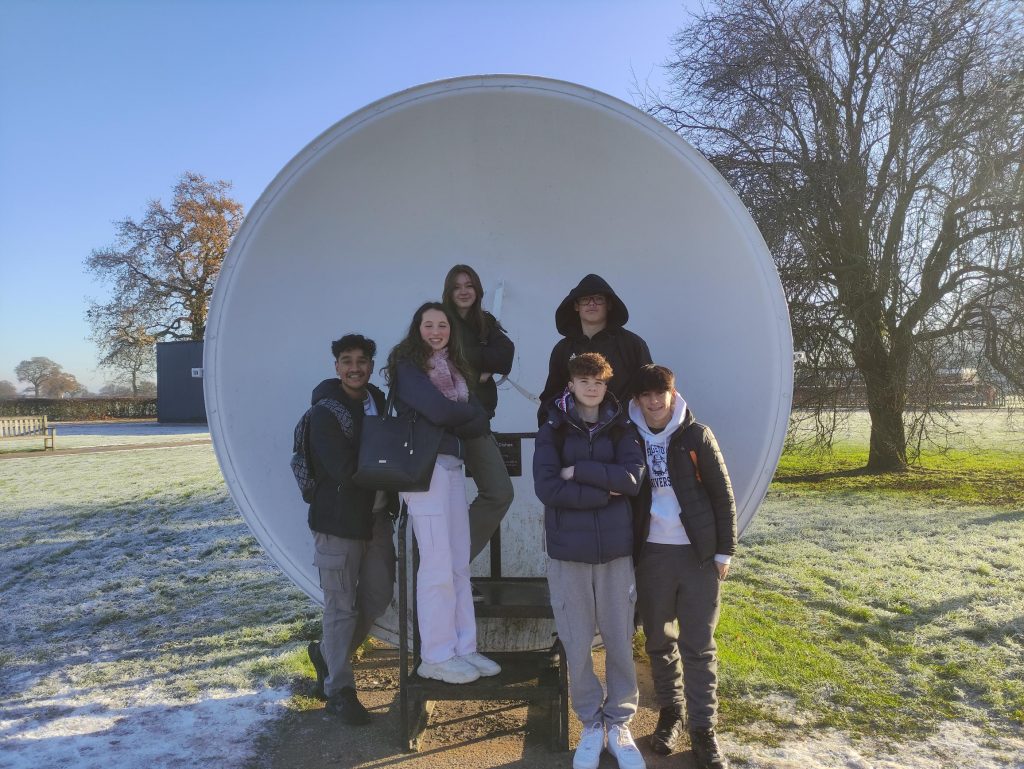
(397, 453)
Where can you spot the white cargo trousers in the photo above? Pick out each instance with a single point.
(444, 597)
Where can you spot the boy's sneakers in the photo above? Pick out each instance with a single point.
(588, 752)
(621, 745)
(484, 665)
(452, 671)
(320, 667)
(346, 705)
(706, 752)
(668, 731)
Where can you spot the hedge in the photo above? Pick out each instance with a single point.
(79, 409)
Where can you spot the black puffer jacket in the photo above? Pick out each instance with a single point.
(624, 350)
(340, 507)
(707, 507)
(492, 352)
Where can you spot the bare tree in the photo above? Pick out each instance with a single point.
(115, 390)
(36, 371)
(7, 390)
(880, 145)
(162, 268)
(126, 349)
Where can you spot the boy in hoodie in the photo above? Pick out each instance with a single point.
(351, 526)
(587, 461)
(685, 519)
(592, 319)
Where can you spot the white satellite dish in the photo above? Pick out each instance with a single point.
(535, 183)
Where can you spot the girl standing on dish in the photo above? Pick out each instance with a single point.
(489, 351)
(430, 376)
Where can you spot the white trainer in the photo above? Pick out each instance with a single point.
(452, 671)
(621, 745)
(484, 665)
(588, 752)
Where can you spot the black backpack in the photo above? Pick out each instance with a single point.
(302, 455)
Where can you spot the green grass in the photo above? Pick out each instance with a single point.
(879, 605)
(983, 477)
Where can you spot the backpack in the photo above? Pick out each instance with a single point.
(302, 454)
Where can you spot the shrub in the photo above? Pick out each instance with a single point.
(80, 409)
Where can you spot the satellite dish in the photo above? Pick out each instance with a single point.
(535, 183)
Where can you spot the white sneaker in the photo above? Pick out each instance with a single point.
(452, 671)
(588, 752)
(484, 665)
(621, 745)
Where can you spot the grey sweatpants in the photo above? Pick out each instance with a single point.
(589, 597)
(672, 585)
(494, 490)
(358, 578)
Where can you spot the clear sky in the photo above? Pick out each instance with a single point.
(104, 104)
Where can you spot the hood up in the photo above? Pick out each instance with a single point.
(567, 320)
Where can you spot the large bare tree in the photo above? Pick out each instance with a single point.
(163, 267)
(880, 146)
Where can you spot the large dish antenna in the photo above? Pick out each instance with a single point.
(535, 183)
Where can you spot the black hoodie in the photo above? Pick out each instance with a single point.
(340, 507)
(624, 350)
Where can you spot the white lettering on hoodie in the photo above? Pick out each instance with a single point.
(666, 528)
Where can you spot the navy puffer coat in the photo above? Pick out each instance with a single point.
(583, 520)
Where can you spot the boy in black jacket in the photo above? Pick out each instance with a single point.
(351, 526)
(685, 535)
(592, 318)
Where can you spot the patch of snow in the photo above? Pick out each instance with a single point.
(217, 729)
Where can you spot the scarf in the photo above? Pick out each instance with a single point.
(446, 377)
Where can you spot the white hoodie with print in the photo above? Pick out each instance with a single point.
(666, 528)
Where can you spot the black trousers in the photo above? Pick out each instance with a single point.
(678, 600)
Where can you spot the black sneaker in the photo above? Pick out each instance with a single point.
(668, 731)
(706, 752)
(346, 705)
(320, 666)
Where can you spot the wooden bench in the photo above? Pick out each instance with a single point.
(28, 428)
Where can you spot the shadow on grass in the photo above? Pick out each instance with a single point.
(1011, 516)
(830, 475)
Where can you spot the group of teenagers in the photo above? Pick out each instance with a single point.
(639, 514)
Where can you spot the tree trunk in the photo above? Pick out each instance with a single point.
(887, 399)
(888, 452)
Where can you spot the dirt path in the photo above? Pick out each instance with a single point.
(468, 735)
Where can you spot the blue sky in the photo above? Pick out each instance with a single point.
(104, 104)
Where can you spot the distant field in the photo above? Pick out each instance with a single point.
(989, 429)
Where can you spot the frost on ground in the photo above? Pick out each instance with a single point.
(76, 435)
(953, 746)
(142, 625)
